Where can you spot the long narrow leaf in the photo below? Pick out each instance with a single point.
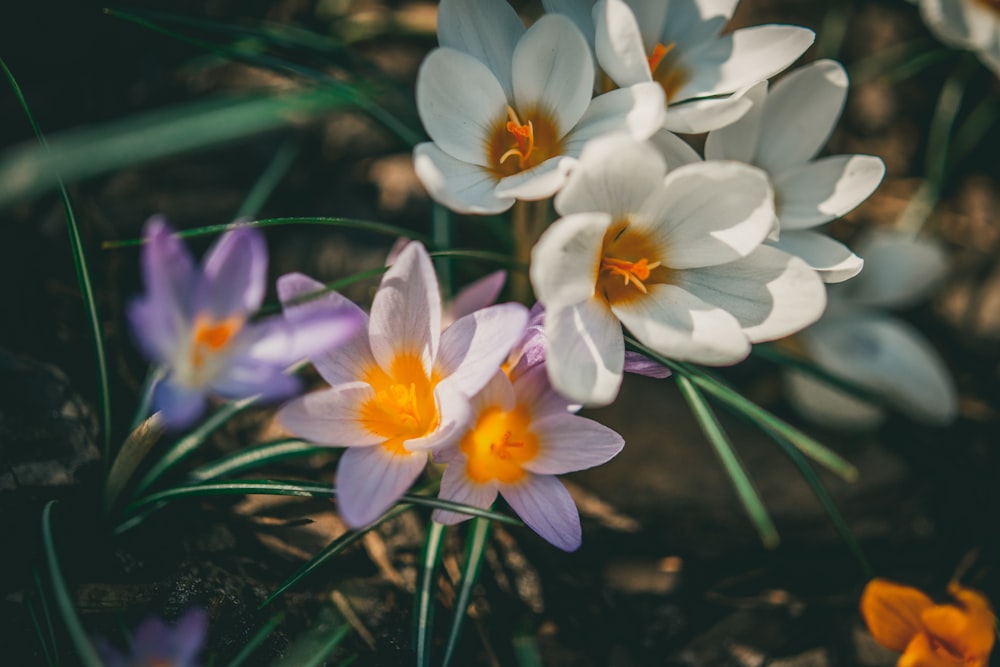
(423, 601)
(257, 640)
(256, 457)
(331, 550)
(50, 626)
(315, 646)
(84, 649)
(42, 638)
(276, 169)
(80, 262)
(475, 551)
(730, 461)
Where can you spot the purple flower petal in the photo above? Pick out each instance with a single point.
(160, 317)
(371, 479)
(640, 364)
(544, 504)
(458, 488)
(235, 274)
(569, 443)
(480, 294)
(473, 348)
(534, 390)
(282, 342)
(331, 416)
(245, 376)
(179, 406)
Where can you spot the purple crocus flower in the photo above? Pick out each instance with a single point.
(157, 644)
(194, 322)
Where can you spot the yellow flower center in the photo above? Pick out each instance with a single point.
(403, 407)
(210, 337)
(630, 261)
(514, 145)
(498, 446)
(667, 70)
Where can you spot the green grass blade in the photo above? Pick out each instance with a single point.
(713, 430)
(256, 457)
(257, 640)
(770, 424)
(475, 551)
(441, 233)
(47, 613)
(526, 651)
(266, 183)
(332, 549)
(38, 631)
(80, 263)
(192, 441)
(84, 649)
(423, 601)
(313, 647)
(78, 154)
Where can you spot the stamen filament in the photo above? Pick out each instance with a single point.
(634, 273)
(524, 136)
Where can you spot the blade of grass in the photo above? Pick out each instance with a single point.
(526, 651)
(475, 551)
(192, 441)
(256, 457)
(423, 600)
(331, 550)
(84, 649)
(313, 647)
(47, 613)
(257, 640)
(276, 169)
(42, 639)
(441, 233)
(769, 423)
(78, 154)
(82, 271)
(744, 486)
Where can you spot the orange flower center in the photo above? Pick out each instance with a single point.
(211, 337)
(667, 69)
(498, 446)
(630, 261)
(403, 407)
(991, 5)
(514, 145)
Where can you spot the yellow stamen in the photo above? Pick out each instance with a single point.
(660, 52)
(524, 136)
(498, 445)
(633, 272)
(403, 407)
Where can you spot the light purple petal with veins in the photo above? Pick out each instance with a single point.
(456, 487)
(639, 364)
(332, 416)
(568, 443)
(235, 274)
(371, 479)
(544, 504)
(473, 348)
(476, 295)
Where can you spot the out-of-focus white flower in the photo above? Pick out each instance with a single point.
(860, 341)
(782, 133)
(508, 108)
(677, 257)
(966, 24)
(678, 44)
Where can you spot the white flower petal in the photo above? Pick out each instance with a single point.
(693, 22)
(406, 310)
(674, 150)
(705, 115)
(900, 270)
(831, 259)
(738, 140)
(679, 325)
(742, 58)
(459, 100)
(565, 261)
(578, 11)
(544, 504)
(461, 186)
(488, 31)
(332, 416)
(538, 182)
(637, 110)
(585, 364)
(473, 348)
(650, 17)
(821, 191)
(708, 213)
(823, 404)
(959, 23)
(553, 71)
(618, 43)
(800, 113)
(889, 357)
(771, 293)
(371, 479)
(568, 443)
(458, 488)
(615, 175)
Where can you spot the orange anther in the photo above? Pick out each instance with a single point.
(631, 272)
(660, 52)
(524, 137)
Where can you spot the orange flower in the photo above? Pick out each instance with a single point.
(930, 635)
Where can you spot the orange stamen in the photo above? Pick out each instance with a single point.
(500, 448)
(524, 136)
(660, 52)
(633, 272)
(211, 336)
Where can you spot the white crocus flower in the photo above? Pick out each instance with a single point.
(966, 24)
(861, 342)
(677, 44)
(508, 109)
(674, 256)
(782, 134)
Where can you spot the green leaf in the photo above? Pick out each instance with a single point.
(276, 169)
(56, 176)
(257, 640)
(86, 152)
(526, 651)
(47, 614)
(475, 551)
(315, 645)
(256, 457)
(441, 232)
(64, 601)
(192, 441)
(731, 462)
(332, 549)
(423, 601)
